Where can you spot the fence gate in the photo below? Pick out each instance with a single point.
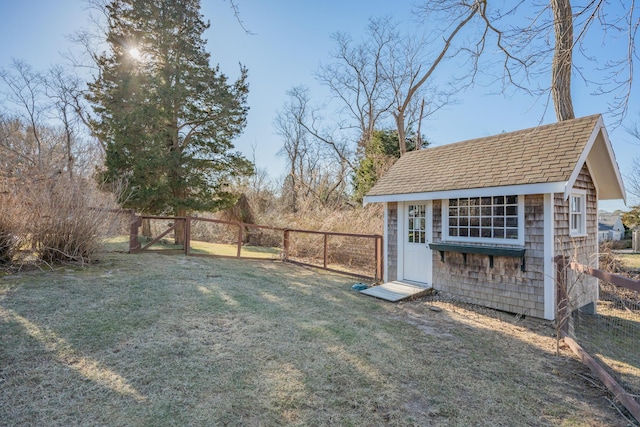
(164, 233)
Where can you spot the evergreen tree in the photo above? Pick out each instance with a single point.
(631, 218)
(165, 116)
(378, 156)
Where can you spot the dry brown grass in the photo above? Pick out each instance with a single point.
(168, 340)
(631, 261)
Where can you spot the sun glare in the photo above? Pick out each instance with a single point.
(135, 53)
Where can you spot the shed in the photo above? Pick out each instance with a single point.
(483, 219)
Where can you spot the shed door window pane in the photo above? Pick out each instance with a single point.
(416, 226)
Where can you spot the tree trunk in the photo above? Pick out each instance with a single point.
(402, 140)
(69, 141)
(419, 135)
(179, 230)
(562, 59)
(146, 228)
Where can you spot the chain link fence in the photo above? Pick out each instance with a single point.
(357, 254)
(608, 340)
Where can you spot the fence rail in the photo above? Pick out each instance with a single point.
(350, 253)
(608, 342)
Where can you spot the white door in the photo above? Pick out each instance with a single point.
(416, 257)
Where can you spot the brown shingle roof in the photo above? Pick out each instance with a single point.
(543, 154)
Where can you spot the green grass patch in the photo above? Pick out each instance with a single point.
(121, 244)
(631, 261)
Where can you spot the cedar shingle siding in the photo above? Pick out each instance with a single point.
(583, 289)
(505, 286)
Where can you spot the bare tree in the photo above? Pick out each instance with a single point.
(406, 75)
(22, 157)
(41, 134)
(527, 52)
(24, 88)
(64, 91)
(633, 180)
(295, 139)
(17, 153)
(356, 77)
(387, 75)
(318, 165)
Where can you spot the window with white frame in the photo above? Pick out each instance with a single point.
(578, 214)
(490, 219)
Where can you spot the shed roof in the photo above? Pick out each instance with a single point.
(537, 160)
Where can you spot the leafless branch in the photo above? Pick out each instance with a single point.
(236, 12)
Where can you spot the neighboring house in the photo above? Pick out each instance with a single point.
(610, 227)
(483, 219)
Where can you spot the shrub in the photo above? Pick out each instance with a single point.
(367, 220)
(60, 222)
(9, 229)
(608, 260)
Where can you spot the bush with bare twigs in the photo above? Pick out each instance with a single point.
(608, 260)
(367, 220)
(51, 220)
(62, 222)
(10, 233)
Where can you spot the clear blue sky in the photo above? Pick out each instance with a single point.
(291, 38)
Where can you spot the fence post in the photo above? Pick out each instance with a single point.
(187, 236)
(379, 260)
(562, 296)
(135, 223)
(285, 243)
(325, 250)
(635, 241)
(240, 238)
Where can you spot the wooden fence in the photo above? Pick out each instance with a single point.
(358, 255)
(570, 336)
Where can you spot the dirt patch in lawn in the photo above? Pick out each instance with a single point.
(168, 340)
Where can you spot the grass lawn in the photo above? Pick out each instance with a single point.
(148, 340)
(630, 260)
(121, 243)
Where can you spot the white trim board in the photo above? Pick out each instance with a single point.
(545, 188)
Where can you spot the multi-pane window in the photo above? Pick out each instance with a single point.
(416, 228)
(483, 218)
(577, 214)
